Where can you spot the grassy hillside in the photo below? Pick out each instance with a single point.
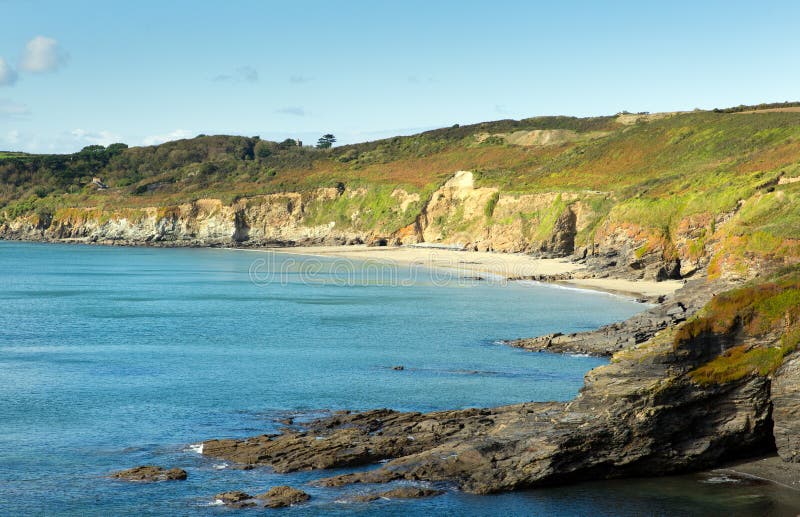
(660, 172)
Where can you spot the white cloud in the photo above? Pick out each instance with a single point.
(9, 108)
(297, 111)
(8, 76)
(246, 74)
(84, 137)
(12, 137)
(300, 79)
(42, 54)
(160, 139)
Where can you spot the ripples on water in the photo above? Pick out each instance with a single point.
(116, 357)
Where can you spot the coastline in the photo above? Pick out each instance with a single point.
(509, 266)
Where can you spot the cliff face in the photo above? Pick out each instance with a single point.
(551, 224)
(272, 219)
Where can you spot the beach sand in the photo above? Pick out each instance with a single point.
(507, 265)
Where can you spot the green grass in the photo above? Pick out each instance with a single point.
(759, 310)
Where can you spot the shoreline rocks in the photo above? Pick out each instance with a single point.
(609, 339)
(283, 496)
(150, 474)
(235, 499)
(398, 493)
(276, 497)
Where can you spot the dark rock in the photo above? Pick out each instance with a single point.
(669, 271)
(150, 474)
(611, 338)
(786, 409)
(410, 493)
(365, 498)
(562, 241)
(397, 493)
(236, 499)
(399, 367)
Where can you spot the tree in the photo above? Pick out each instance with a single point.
(326, 141)
(289, 142)
(263, 150)
(115, 149)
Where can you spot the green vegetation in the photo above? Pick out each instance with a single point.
(650, 172)
(488, 210)
(764, 106)
(761, 311)
(739, 362)
(326, 141)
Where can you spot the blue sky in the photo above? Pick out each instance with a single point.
(83, 72)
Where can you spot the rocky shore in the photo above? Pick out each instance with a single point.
(644, 414)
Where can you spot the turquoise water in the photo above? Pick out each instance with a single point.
(116, 357)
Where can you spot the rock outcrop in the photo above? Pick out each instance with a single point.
(786, 409)
(283, 496)
(236, 499)
(611, 338)
(150, 474)
(406, 492)
(643, 414)
(276, 497)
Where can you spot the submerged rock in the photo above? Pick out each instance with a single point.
(150, 474)
(410, 492)
(398, 493)
(282, 496)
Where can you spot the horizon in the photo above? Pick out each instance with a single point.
(151, 74)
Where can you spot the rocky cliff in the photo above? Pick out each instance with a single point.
(549, 224)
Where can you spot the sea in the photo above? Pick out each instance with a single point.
(113, 357)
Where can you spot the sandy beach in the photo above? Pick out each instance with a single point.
(507, 265)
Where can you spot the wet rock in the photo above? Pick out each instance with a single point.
(283, 496)
(236, 499)
(410, 493)
(150, 474)
(365, 498)
(398, 493)
(399, 367)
